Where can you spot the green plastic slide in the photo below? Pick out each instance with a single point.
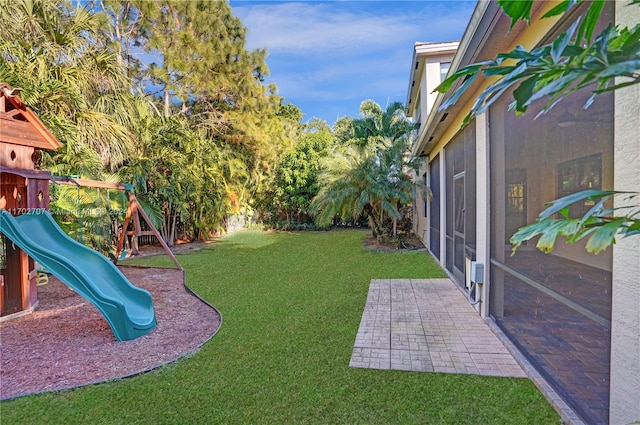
(127, 308)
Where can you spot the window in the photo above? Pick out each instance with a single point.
(577, 175)
(424, 181)
(516, 201)
(434, 206)
(444, 69)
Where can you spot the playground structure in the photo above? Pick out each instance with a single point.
(29, 234)
(133, 215)
(22, 189)
(127, 309)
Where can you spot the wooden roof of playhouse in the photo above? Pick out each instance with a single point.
(19, 125)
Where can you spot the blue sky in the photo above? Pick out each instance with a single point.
(327, 57)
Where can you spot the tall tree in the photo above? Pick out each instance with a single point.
(199, 72)
(343, 129)
(367, 175)
(376, 124)
(296, 178)
(357, 182)
(163, 92)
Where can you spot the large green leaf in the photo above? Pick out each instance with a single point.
(519, 52)
(516, 10)
(603, 237)
(523, 93)
(599, 223)
(628, 68)
(561, 8)
(456, 95)
(631, 39)
(564, 202)
(470, 70)
(568, 63)
(560, 44)
(591, 20)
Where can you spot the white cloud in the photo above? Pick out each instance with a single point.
(302, 27)
(353, 77)
(327, 57)
(333, 82)
(299, 27)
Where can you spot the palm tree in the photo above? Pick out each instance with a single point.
(55, 53)
(368, 177)
(359, 182)
(376, 124)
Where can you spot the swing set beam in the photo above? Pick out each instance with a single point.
(134, 211)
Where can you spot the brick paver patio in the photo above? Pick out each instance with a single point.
(427, 325)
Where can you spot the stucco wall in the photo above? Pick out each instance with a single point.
(625, 332)
(420, 220)
(483, 201)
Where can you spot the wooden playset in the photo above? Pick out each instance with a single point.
(22, 189)
(25, 189)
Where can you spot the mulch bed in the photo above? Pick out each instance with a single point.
(405, 242)
(67, 343)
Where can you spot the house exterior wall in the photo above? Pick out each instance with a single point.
(619, 170)
(433, 79)
(625, 334)
(426, 76)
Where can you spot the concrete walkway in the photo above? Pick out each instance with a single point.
(427, 325)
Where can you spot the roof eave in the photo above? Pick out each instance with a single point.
(422, 50)
(482, 19)
(487, 19)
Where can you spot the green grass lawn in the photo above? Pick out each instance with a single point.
(291, 305)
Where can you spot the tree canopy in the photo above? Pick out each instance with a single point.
(162, 94)
(366, 174)
(166, 96)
